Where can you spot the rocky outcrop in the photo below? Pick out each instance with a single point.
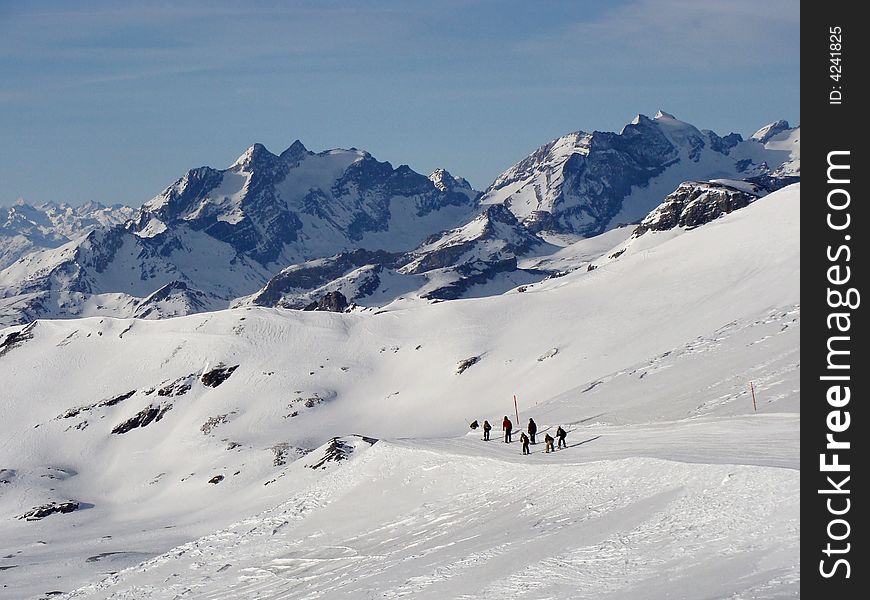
(695, 203)
(339, 449)
(16, 338)
(218, 375)
(330, 302)
(142, 419)
(40, 512)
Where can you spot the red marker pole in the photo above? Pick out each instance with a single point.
(752, 389)
(516, 410)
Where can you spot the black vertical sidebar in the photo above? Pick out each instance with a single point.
(834, 225)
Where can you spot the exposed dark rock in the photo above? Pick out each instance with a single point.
(16, 338)
(75, 411)
(40, 512)
(116, 399)
(332, 302)
(695, 203)
(218, 375)
(338, 450)
(216, 479)
(540, 220)
(770, 184)
(464, 364)
(178, 387)
(212, 422)
(143, 418)
(281, 451)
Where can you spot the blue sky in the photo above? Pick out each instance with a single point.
(113, 101)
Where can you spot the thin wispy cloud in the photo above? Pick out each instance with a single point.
(676, 32)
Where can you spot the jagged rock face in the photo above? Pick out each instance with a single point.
(585, 183)
(267, 206)
(695, 203)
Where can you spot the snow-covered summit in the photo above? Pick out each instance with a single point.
(764, 134)
(444, 181)
(586, 183)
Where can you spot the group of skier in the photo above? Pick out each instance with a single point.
(532, 429)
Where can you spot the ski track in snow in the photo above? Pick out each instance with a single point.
(449, 530)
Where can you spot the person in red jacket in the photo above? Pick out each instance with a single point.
(507, 426)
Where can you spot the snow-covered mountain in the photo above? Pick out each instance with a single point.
(444, 267)
(587, 183)
(301, 205)
(223, 234)
(214, 455)
(286, 230)
(25, 228)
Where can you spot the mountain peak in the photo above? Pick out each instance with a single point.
(660, 114)
(296, 150)
(441, 178)
(256, 153)
(770, 130)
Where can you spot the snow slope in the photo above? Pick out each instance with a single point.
(672, 486)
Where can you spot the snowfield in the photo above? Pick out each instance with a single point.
(219, 455)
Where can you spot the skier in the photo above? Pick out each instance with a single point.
(474, 424)
(561, 434)
(533, 429)
(486, 428)
(548, 442)
(525, 440)
(507, 426)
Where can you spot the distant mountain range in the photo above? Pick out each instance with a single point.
(25, 228)
(287, 229)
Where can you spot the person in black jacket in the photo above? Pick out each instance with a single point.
(533, 429)
(548, 443)
(525, 440)
(486, 429)
(561, 434)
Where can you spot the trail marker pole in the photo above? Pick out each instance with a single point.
(752, 389)
(516, 410)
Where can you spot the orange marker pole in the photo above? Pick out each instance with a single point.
(516, 410)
